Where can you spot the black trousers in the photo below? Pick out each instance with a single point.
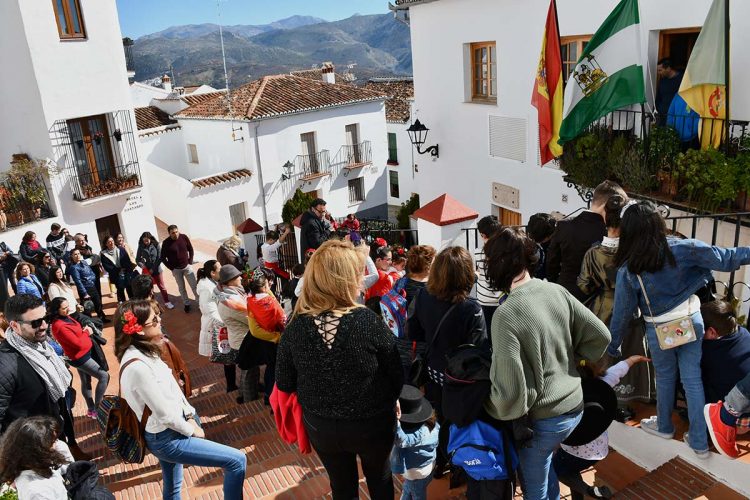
(568, 469)
(96, 298)
(339, 443)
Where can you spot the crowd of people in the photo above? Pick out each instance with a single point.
(368, 352)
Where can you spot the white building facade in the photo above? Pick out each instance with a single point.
(66, 102)
(283, 133)
(489, 156)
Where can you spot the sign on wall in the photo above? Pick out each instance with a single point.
(506, 196)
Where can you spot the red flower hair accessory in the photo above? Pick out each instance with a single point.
(381, 242)
(130, 324)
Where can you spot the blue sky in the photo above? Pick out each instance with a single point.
(141, 17)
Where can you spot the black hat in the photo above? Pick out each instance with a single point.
(599, 409)
(415, 409)
(227, 273)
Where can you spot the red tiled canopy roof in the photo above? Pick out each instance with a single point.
(221, 178)
(152, 117)
(399, 91)
(444, 211)
(249, 226)
(278, 95)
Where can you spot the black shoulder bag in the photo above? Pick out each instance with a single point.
(418, 369)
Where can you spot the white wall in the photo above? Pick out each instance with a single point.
(142, 94)
(48, 79)
(279, 142)
(165, 150)
(407, 157)
(439, 31)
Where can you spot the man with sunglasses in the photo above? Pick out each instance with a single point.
(314, 230)
(33, 379)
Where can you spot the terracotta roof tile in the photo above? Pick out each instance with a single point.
(152, 117)
(279, 95)
(400, 91)
(445, 210)
(221, 178)
(193, 99)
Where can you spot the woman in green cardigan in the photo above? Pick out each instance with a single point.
(536, 335)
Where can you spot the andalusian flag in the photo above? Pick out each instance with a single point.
(609, 73)
(704, 83)
(549, 81)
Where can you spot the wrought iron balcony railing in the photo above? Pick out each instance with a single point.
(313, 165)
(357, 155)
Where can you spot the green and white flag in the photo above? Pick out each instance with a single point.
(609, 73)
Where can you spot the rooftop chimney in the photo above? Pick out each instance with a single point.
(166, 83)
(327, 71)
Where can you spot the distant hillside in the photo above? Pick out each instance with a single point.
(378, 44)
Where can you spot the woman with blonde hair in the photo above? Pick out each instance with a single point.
(230, 253)
(342, 362)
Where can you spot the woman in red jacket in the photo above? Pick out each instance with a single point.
(381, 255)
(76, 343)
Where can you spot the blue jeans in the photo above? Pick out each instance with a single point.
(174, 449)
(415, 489)
(539, 481)
(685, 359)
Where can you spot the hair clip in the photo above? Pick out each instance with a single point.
(130, 324)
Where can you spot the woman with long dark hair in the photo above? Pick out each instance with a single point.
(173, 431)
(30, 247)
(537, 335)
(661, 276)
(211, 321)
(32, 457)
(148, 259)
(77, 345)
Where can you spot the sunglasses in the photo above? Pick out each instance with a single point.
(34, 323)
(155, 321)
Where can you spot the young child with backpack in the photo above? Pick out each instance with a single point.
(416, 443)
(571, 459)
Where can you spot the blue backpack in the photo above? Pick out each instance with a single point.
(483, 451)
(393, 307)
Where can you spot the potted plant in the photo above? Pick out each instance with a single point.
(742, 167)
(98, 136)
(26, 182)
(708, 177)
(117, 134)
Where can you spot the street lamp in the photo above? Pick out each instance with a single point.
(418, 136)
(288, 168)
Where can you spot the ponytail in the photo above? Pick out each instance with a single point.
(205, 271)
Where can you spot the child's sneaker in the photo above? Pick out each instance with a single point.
(598, 492)
(651, 426)
(169, 305)
(91, 414)
(723, 436)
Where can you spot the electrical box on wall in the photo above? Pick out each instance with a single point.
(506, 196)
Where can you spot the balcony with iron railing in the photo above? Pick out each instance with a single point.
(313, 166)
(693, 162)
(356, 155)
(98, 154)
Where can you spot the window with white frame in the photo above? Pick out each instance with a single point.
(356, 190)
(192, 153)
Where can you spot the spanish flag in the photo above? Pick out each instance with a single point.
(547, 97)
(704, 85)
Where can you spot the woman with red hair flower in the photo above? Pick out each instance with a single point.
(173, 430)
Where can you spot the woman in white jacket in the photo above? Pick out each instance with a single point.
(210, 318)
(173, 431)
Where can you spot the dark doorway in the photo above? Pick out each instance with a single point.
(677, 45)
(107, 226)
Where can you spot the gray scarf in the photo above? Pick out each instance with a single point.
(45, 363)
(113, 255)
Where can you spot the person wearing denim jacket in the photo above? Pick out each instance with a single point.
(672, 271)
(85, 280)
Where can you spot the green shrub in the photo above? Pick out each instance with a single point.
(296, 205)
(407, 208)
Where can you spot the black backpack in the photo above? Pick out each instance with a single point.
(467, 383)
(82, 482)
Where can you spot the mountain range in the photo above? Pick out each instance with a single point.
(377, 44)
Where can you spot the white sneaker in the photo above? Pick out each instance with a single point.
(169, 305)
(651, 426)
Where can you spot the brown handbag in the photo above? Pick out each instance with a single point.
(171, 355)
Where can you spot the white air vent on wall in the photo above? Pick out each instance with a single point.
(508, 137)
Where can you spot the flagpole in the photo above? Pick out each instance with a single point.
(726, 72)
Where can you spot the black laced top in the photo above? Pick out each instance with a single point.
(343, 367)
